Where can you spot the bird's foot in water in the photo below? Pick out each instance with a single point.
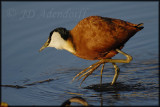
(94, 66)
(88, 71)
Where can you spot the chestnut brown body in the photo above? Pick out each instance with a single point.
(96, 37)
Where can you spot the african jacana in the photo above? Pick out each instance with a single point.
(95, 38)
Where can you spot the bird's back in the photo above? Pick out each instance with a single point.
(97, 37)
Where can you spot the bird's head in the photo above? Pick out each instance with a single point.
(57, 39)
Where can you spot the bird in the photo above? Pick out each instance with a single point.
(95, 38)
(75, 99)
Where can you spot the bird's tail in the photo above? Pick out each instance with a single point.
(139, 26)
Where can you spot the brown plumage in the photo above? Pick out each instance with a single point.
(95, 38)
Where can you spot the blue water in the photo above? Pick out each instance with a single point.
(25, 28)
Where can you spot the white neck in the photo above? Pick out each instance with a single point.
(59, 43)
(69, 47)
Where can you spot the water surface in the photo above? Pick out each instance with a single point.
(25, 28)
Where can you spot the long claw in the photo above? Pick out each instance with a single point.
(89, 73)
(81, 73)
(90, 67)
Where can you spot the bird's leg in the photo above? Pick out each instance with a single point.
(101, 73)
(128, 60)
(113, 61)
(97, 64)
(116, 73)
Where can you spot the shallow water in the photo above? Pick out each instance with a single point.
(25, 28)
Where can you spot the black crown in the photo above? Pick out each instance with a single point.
(63, 32)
